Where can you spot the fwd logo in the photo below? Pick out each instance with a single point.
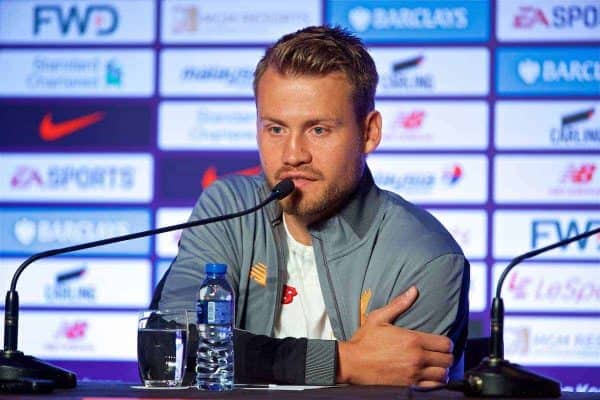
(544, 231)
(102, 19)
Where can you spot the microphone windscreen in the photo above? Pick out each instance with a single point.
(283, 188)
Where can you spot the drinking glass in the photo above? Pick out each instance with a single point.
(162, 347)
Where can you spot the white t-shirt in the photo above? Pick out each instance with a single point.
(303, 311)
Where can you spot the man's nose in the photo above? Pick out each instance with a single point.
(296, 151)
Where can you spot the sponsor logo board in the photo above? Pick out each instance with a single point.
(568, 341)
(469, 229)
(556, 287)
(412, 21)
(567, 179)
(77, 335)
(405, 71)
(547, 125)
(433, 125)
(517, 232)
(208, 72)
(31, 230)
(82, 282)
(49, 126)
(559, 71)
(77, 73)
(48, 21)
(432, 179)
(205, 125)
(167, 243)
(199, 172)
(478, 288)
(550, 20)
(83, 177)
(191, 21)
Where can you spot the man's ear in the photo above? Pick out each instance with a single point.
(372, 132)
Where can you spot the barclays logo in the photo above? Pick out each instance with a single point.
(548, 71)
(414, 21)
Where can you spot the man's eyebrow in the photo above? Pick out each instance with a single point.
(314, 121)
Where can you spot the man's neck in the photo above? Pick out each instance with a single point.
(298, 229)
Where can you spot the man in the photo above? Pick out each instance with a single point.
(359, 285)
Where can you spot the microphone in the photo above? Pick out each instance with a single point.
(14, 365)
(497, 377)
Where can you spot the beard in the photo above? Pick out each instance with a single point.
(316, 204)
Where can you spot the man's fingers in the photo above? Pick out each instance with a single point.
(433, 342)
(435, 359)
(433, 374)
(394, 308)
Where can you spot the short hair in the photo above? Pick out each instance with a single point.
(320, 50)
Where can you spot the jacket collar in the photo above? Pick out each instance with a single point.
(352, 220)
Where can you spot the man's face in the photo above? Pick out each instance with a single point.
(307, 131)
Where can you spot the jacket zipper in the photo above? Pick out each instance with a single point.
(330, 281)
(279, 281)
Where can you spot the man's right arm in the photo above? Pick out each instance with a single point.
(380, 353)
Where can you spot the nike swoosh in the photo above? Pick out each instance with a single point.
(210, 175)
(51, 131)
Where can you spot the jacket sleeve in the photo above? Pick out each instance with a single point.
(260, 358)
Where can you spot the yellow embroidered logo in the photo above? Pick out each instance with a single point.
(258, 273)
(365, 298)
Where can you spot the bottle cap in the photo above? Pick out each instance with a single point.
(213, 268)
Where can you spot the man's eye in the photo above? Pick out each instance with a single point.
(319, 130)
(276, 130)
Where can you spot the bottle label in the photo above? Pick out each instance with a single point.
(215, 312)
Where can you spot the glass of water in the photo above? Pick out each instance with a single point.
(162, 346)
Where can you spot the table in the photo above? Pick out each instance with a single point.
(96, 390)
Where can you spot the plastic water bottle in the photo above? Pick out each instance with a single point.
(215, 311)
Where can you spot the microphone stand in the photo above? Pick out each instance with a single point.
(14, 365)
(497, 377)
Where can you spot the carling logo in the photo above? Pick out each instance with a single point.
(71, 177)
(422, 20)
(549, 125)
(431, 71)
(548, 70)
(70, 287)
(577, 20)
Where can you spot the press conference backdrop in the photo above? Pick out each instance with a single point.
(115, 115)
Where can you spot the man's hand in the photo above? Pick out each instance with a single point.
(380, 353)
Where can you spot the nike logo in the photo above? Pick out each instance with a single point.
(210, 175)
(51, 131)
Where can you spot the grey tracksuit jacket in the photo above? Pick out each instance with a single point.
(373, 249)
